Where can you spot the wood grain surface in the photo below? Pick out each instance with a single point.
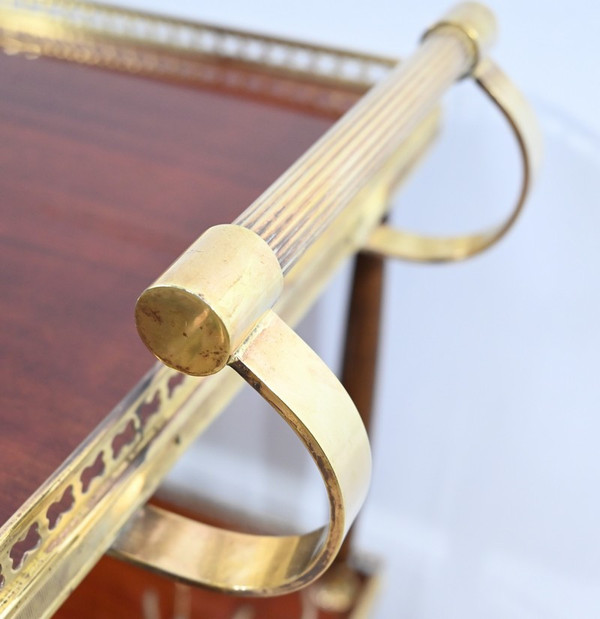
(104, 179)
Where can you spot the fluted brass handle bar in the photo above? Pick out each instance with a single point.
(406, 245)
(199, 311)
(296, 208)
(213, 307)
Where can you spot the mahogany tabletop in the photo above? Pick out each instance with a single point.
(104, 179)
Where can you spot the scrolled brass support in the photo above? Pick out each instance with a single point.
(300, 387)
(212, 308)
(402, 244)
(197, 313)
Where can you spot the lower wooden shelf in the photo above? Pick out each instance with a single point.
(118, 590)
(115, 590)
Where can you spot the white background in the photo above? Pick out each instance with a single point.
(485, 498)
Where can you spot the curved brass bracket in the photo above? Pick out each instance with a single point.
(301, 388)
(397, 243)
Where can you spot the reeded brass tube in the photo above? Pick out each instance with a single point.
(292, 213)
(219, 305)
(195, 316)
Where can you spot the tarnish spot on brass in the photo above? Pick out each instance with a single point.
(19, 552)
(248, 376)
(152, 314)
(182, 330)
(122, 439)
(96, 469)
(60, 507)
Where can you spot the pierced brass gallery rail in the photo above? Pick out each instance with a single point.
(325, 79)
(225, 306)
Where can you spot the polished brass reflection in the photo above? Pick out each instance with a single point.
(224, 271)
(334, 210)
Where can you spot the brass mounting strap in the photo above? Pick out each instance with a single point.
(211, 308)
(302, 389)
(397, 243)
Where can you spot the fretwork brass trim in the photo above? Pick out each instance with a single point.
(317, 77)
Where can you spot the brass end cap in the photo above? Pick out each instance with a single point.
(182, 330)
(195, 315)
(474, 22)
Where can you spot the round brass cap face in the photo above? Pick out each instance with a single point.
(182, 330)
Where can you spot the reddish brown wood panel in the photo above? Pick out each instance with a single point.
(104, 179)
(117, 590)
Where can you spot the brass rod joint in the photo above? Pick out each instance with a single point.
(196, 314)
